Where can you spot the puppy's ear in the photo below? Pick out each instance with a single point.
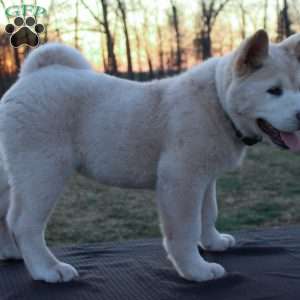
(252, 53)
(292, 45)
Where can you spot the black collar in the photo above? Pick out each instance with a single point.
(248, 141)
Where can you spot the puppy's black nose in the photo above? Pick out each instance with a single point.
(298, 115)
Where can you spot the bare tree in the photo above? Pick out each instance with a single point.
(160, 50)
(209, 11)
(46, 20)
(243, 19)
(76, 23)
(295, 13)
(123, 13)
(103, 54)
(266, 14)
(145, 34)
(284, 23)
(137, 39)
(112, 61)
(104, 25)
(15, 50)
(150, 64)
(175, 25)
(138, 45)
(286, 18)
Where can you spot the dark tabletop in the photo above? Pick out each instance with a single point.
(264, 265)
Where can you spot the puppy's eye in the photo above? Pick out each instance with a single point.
(275, 90)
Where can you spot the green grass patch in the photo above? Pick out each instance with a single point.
(263, 193)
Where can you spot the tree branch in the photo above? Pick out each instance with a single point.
(220, 8)
(100, 22)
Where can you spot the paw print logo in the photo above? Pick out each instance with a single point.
(24, 32)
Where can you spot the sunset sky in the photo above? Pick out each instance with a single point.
(227, 28)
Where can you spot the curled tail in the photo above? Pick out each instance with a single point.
(51, 54)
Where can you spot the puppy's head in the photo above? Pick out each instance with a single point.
(263, 97)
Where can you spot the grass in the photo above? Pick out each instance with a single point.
(264, 192)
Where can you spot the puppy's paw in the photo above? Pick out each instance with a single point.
(189, 264)
(203, 272)
(218, 242)
(61, 272)
(8, 249)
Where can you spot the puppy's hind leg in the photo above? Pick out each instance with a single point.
(211, 239)
(8, 248)
(37, 180)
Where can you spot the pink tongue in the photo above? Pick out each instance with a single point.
(292, 140)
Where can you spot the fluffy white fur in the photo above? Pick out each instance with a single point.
(53, 54)
(173, 134)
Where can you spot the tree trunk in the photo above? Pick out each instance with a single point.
(171, 59)
(150, 65)
(103, 54)
(206, 44)
(145, 41)
(175, 22)
(243, 21)
(283, 21)
(111, 60)
(287, 22)
(122, 9)
(266, 15)
(138, 49)
(76, 38)
(17, 59)
(160, 52)
(51, 12)
(209, 14)
(46, 33)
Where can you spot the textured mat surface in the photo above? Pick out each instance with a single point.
(265, 265)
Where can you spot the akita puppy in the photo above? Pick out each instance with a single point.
(176, 135)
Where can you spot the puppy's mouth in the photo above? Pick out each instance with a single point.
(284, 140)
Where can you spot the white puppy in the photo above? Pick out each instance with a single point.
(177, 135)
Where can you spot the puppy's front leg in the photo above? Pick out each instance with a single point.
(211, 239)
(180, 196)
